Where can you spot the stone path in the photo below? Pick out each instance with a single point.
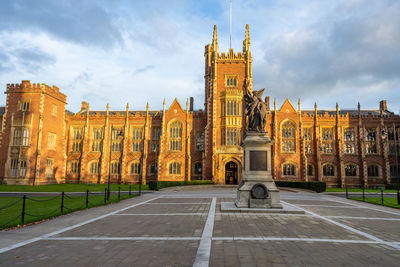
(186, 228)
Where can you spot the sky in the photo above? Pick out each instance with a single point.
(118, 52)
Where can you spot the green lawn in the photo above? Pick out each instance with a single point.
(68, 187)
(39, 208)
(335, 189)
(387, 201)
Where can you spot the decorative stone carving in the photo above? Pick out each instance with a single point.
(259, 191)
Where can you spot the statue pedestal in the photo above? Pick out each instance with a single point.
(257, 188)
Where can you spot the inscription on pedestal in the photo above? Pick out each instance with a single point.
(258, 161)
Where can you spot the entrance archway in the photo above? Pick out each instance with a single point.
(231, 173)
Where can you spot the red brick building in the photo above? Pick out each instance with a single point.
(41, 142)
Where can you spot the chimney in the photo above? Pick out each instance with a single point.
(267, 102)
(84, 106)
(191, 104)
(383, 105)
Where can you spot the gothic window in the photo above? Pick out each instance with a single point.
(307, 140)
(231, 81)
(153, 167)
(54, 110)
(349, 141)
(156, 133)
(95, 167)
(327, 140)
(24, 106)
(233, 108)
(97, 139)
(74, 167)
(328, 170)
(135, 168)
(13, 167)
(200, 142)
(289, 169)
(175, 136)
(17, 137)
(137, 138)
(175, 168)
(23, 168)
(222, 109)
(115, 167)
(393, 138)
(49, 168)
(51, 141)
(288, 137)
(395, 171)
(116, 139)
(155, 146)
(310, 170)
(77, 136)
(25, 136)
(350, 170)
(198, 168)
(373, 170)
(231, 136)
(370, 141)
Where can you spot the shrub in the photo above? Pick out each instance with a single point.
(392, 186)
(314, 186)
(157, 185)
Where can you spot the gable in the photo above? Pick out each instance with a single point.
(287, 107)
(175, 107)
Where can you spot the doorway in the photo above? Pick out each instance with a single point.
(231, 173)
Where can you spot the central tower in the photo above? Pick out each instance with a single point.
(225, 74)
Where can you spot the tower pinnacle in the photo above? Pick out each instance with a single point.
(246, 42)
(215, 40)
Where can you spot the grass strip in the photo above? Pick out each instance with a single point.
(40, 208)
(335, 189)
(387, 201)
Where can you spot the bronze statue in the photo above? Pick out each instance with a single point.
(256, 109)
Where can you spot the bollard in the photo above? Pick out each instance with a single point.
(23, 209)
(130, 190)
(119, 193)
(105, 195)
(62, 202)
(382, 196)
(347, 192)
(87, 198)
(140, 187)
(364, 194)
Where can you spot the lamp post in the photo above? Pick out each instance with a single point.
(109, 165)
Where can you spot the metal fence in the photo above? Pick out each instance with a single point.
(60, 204)
(377, 196)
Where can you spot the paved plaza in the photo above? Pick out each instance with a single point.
(185, 227)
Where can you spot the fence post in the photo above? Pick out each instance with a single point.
(364, 194)
(23, 209)
(87, 198)
(119, 193)
(347, 192)
(382, 196)
(130, 190)
(62, 202)
(398, 196)
(105, 195)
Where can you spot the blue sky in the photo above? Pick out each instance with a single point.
(142, 51)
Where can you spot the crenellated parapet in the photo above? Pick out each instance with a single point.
(27, 86)
(231, 56)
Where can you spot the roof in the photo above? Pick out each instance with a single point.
(352, 112)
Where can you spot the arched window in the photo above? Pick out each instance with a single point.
(175, 136)
(198, 168)
(153, 167)
(328, 170)
(175, 168)
(395, 171)
(289, 169)
(23, 169)
(350, 170)
(115, 167)
(94, 167)
(135, 168)
(288, 137)
(310, 170)
(373, 170)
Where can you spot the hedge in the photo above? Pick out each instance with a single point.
(157, 185)
(314, 186)
(392, 186)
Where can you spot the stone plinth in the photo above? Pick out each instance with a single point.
(257, 188)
